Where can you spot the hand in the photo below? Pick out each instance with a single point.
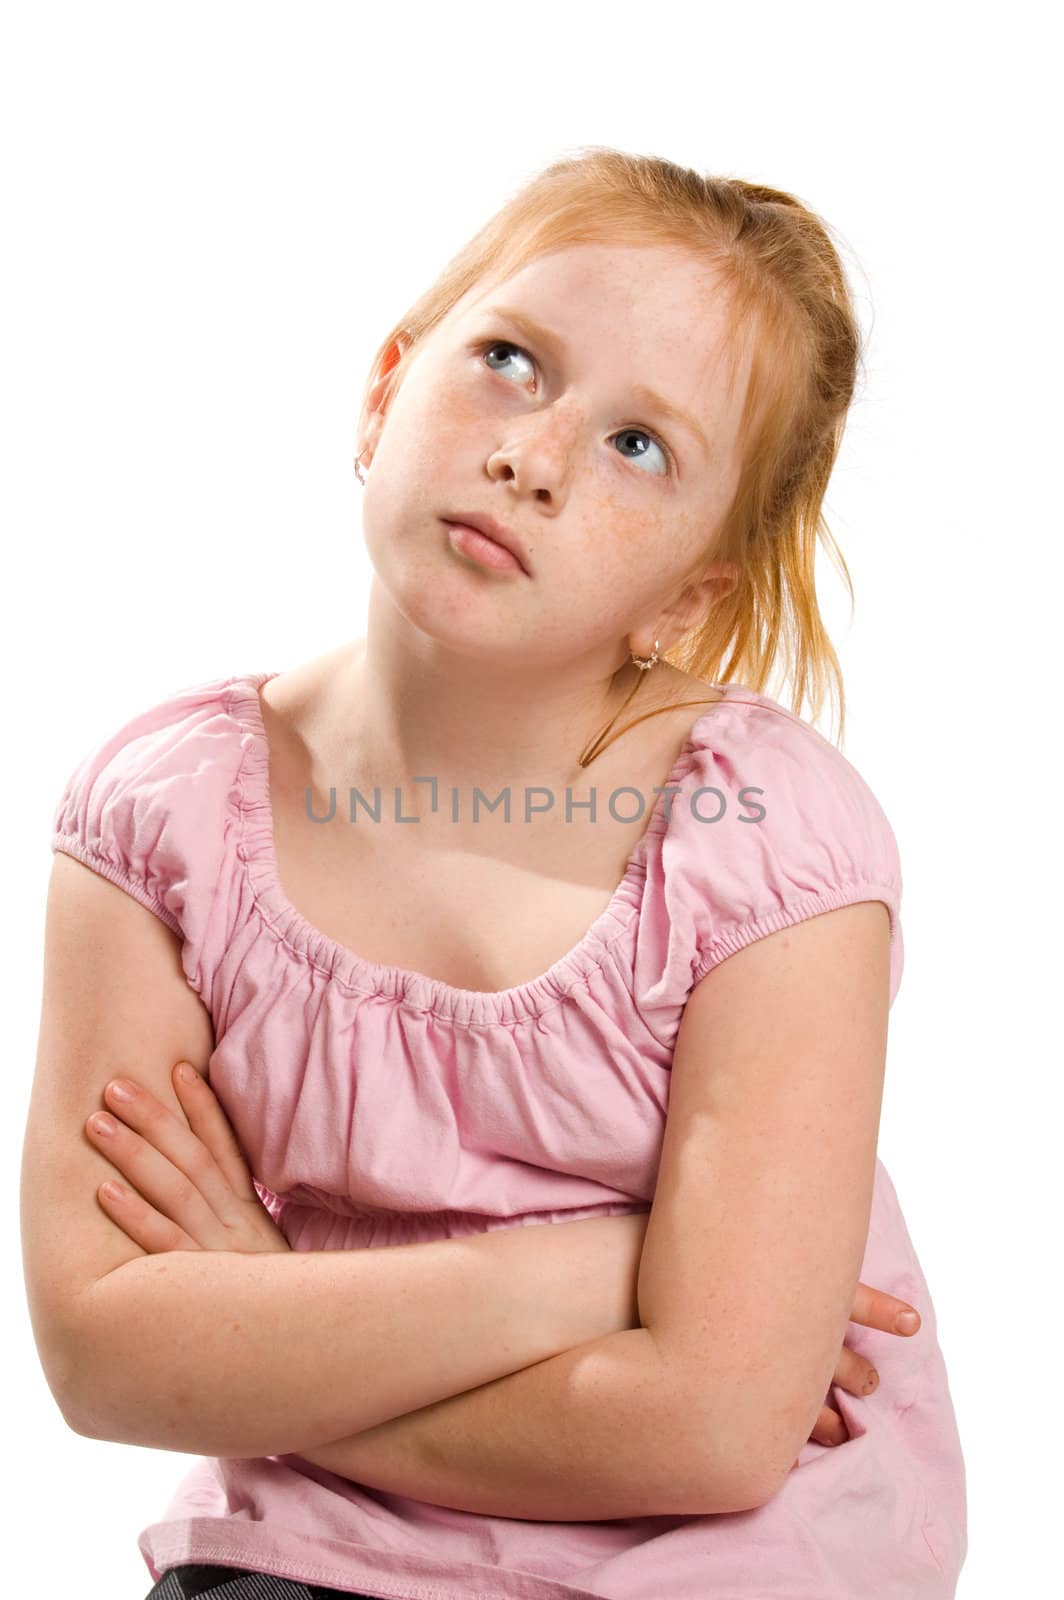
(193, 1189)
(872, 1308)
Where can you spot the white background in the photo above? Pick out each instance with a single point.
(213, 211)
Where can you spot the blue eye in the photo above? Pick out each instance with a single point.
(502, 344)
(485, 350)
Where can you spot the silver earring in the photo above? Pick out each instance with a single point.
(644, 663)
(358, 469)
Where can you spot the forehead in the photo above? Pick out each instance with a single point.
(663, 290)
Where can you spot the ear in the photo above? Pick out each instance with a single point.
(376, 410)
(716, 583)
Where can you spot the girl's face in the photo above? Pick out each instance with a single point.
(549, 430)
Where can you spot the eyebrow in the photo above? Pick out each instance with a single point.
(643, 395)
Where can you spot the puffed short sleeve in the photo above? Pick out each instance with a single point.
(149, 808)
(774, 825)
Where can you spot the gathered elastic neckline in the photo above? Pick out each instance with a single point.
(416, 990)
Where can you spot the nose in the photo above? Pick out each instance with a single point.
(543, 460)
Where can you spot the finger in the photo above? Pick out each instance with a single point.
(830, 1428)
(854, 1374)
(156, 1179)
(875, 1309)
(144, 1225)
(210, 1124)
(172, 1137)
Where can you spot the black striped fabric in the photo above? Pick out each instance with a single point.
(237, 1583)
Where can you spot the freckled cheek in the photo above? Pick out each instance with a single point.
(450, 409)
(456, 438)
(603, 580)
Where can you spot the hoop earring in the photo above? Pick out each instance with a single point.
(644, 663)
(358, 469)
(595, 747)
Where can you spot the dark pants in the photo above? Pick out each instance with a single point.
(237, 1583)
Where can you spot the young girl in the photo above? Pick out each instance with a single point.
(511, 1255)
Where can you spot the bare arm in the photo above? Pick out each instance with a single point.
(584, 1436)
(244, 1355)
(482, 1451)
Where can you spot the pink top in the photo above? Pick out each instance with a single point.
(468, 1118)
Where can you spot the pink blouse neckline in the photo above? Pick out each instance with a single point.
(417, 990)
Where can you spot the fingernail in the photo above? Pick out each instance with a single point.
(186, 1073)
(907, 1322)
(102, 1124)
(120, 1091)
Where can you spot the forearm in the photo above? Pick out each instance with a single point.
(586, 1435)
(218, 1353)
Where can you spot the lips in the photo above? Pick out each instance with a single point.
(494, 530)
